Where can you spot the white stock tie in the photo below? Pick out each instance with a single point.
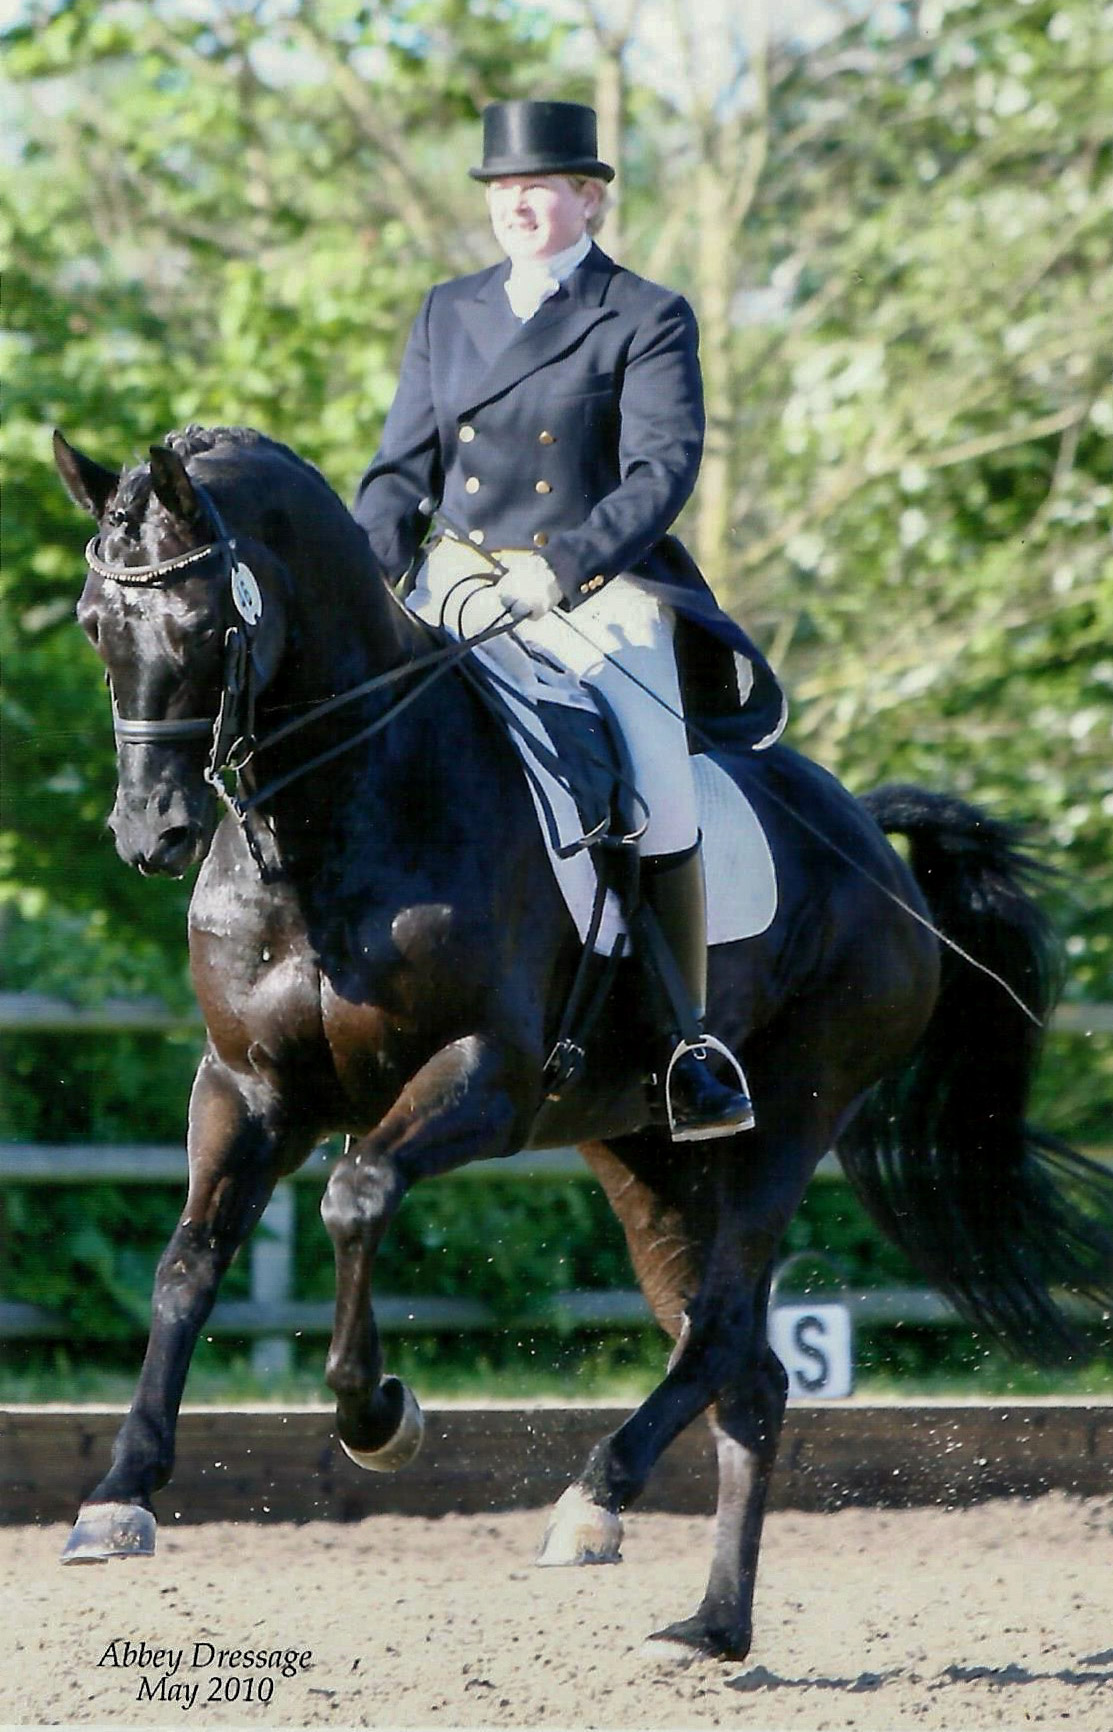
(527, 286)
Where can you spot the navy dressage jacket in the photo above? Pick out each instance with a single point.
(578, 434)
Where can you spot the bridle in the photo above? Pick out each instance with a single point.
(232, 730)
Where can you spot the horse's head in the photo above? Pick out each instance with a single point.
(189, 619)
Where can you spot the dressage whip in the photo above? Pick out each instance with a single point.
(428, 509)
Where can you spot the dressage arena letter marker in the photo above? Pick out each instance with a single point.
(813, 1343)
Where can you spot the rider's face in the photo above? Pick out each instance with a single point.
(535, 216)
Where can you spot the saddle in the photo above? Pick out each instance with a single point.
(583, 753)
(591, 818)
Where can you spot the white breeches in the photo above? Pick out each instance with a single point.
(545, 659)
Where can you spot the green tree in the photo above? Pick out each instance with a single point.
(896, 238)
(897, 242)
(221, 214)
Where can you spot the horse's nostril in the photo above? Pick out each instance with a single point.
(174, 851)
(178, 836)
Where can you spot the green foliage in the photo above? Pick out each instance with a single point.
(222, 221)
(931, 540)
(505, 1242)
(229, 214)
(101, 1245)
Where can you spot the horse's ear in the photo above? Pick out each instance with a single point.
(88, 484)
(172, 486)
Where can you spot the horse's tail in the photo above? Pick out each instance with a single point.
(997, 1214)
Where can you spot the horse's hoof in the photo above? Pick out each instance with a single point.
(580, 1532)
(661, 1651)
(110, 1530)
(398, 1451)
(689, 1640)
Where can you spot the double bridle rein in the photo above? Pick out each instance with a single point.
(232, 729)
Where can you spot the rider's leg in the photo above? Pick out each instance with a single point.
(700, 1104)
(636, 633)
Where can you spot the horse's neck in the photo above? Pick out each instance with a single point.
(343, 625)
(345, 628)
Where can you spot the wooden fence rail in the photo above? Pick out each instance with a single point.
(41, 1013)
(271, 1316)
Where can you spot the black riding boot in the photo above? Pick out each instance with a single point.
(699, 1104)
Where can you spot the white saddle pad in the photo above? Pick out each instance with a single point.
(738, 863)
(741, 879)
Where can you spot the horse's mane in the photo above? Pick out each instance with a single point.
(194, 441)
(191, 441)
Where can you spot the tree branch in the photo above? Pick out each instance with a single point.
(851, 479)
(411, 195)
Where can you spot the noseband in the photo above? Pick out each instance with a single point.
(231, 727)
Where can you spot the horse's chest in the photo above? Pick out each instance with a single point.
(253, 963)
(364, 973)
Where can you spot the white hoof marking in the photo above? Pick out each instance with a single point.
(580, 1532)
(398, 1451)
(664, 1652)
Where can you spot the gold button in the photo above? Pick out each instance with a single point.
(546, 438)
(467, 434)
(542, 487)
(471, 485)
(540, 539)
(477, 536)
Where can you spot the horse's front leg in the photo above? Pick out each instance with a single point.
(236, 1152)
(462, 1105)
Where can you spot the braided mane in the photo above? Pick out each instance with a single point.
(193, 441)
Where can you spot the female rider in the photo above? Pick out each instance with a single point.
(552, 409)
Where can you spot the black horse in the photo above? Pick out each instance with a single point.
(379, 948)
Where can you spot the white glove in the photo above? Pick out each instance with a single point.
(529, 588)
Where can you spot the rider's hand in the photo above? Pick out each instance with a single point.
(529, 589)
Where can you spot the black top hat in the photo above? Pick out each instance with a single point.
(540, 138)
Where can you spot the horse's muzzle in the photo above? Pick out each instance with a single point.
(162, 845)
(175, 851)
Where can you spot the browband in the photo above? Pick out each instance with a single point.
(144, 575)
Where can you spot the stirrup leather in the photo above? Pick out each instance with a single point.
(699, 1046)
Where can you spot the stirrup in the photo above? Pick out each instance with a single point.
(700, 1046)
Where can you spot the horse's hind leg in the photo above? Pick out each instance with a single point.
(702, 1233)
(669, 1211)
(235, 1157)
(758, 1200)
(746, 1423)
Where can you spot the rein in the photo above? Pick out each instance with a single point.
(232, 729)
(447, 527)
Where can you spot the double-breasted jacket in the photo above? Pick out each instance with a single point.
(578, 434)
